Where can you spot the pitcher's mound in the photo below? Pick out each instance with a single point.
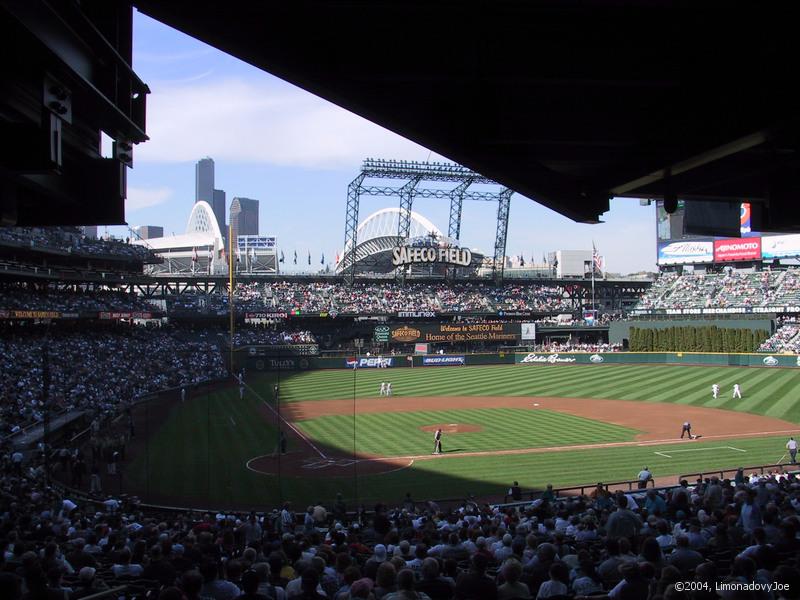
(452, 428)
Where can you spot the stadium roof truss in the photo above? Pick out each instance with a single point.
(358, 250)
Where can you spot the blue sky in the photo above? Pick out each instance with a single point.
(297, 153)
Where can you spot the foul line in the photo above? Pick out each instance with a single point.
(665, 455)
(331, 462)
(291, 426)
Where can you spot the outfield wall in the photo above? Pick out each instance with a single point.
(295, 363)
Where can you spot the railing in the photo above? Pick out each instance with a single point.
(721, 473)
(581, 489)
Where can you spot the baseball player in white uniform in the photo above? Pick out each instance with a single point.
(383, 388)
(241, 391)
(714, 390)
(388, 388)
(737, 391)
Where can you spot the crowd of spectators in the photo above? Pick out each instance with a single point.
(570, 346)
(98, 370)
(381, 298)
(21, 298)
(72, 240)
(785, 338)
(719, 534)
(727, 290)
(260, 335)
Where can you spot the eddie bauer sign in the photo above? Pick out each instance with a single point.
(406, 255)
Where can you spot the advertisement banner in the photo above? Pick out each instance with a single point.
(281, 349)
(737, 249)
(528, 331)
(551, 359)
(373, 362)
(443, 361)
(420, 314)
(124, 315)
(29, 314)
(255, 316)
(454, 332)
(685, 252)
(780, 246)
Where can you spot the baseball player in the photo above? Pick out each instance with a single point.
(687, 428)
(383, 388)
(241, 391)
(714, 390)
(437, 441)
(388, 388)
(183, 394)
(737, 391)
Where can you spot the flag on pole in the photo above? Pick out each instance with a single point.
(309, 257)
(521, 260)
(194, 255)
(322, 260)
(281, 260)
(238, 255)
(337, 258)
(597, 260)
(295, 257)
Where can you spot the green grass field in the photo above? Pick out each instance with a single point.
(197, 453)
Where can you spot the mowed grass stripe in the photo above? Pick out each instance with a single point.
(400, 434)
(683, 384)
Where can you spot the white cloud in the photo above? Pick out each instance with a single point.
(264, 122)
(139, 198)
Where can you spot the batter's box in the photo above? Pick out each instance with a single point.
(329, 462)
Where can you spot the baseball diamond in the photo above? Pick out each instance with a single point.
(537, 423)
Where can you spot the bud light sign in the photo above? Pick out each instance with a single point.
(375, 362)
(442, 360)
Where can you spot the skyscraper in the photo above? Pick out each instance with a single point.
(204, 180)
(218, 206)
(147, 232)
(244, 217)
(204, 190)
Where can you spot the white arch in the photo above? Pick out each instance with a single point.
(203, 220)
(384, 222)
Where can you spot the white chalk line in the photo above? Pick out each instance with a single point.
(232, 421)
(329, 462)
(291, 426)
(665, 455)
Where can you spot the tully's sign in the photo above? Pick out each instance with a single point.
(406, 255)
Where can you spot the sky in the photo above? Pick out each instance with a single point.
(297, 153)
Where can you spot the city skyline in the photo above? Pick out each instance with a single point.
(297, 154)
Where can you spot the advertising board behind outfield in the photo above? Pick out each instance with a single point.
(449, 333)
(443, 361)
